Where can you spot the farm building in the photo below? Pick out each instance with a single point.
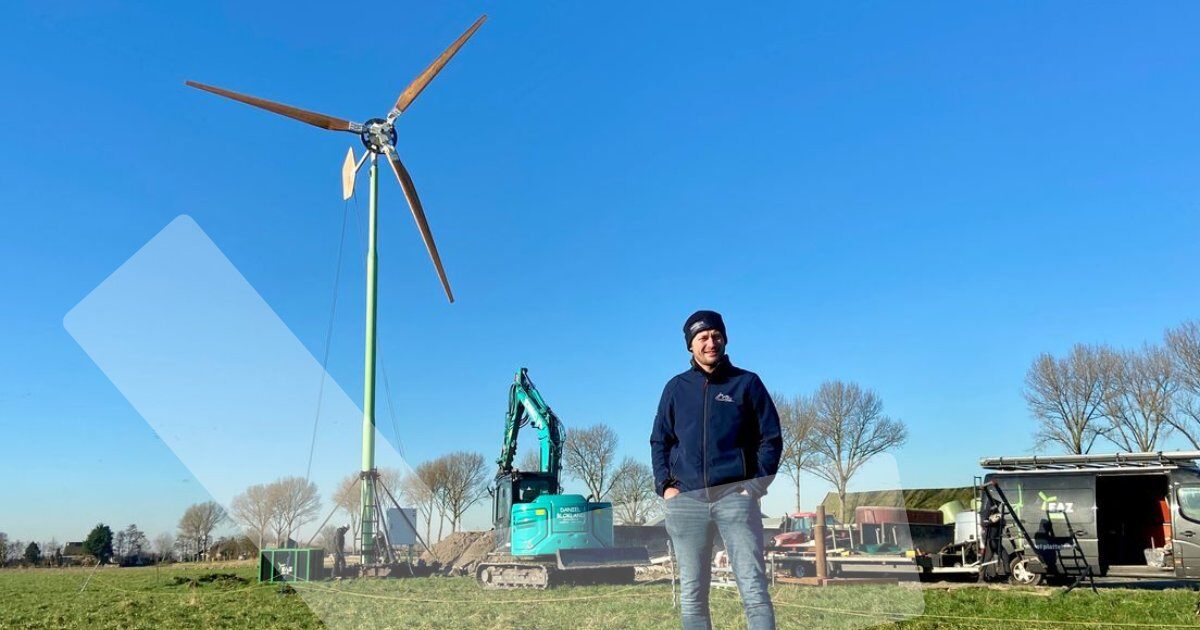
(915, 498)
(73, 553)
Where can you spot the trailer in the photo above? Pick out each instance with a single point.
(896, 542)
(803, 564)
(1071, 518)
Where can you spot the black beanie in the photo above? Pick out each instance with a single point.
(699, 322)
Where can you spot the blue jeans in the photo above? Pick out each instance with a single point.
(692, 524)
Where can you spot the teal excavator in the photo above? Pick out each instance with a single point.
(544, 537)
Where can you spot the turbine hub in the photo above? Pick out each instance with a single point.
(378, 134)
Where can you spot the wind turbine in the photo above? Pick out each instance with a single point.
(378, 136)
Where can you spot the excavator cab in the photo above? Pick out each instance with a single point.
(513, 489)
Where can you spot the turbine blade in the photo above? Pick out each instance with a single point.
(413, 90)
(348, 172)
(414, 203)
(318, 120)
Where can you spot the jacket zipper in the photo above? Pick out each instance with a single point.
(704, 441)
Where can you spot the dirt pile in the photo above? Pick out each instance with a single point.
(223, 580)
(460, 549)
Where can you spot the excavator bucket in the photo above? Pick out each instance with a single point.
(602, 558)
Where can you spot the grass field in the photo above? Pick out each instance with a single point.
(177, 597)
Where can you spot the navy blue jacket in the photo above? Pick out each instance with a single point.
(715, 433)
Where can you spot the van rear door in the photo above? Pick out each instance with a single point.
(1187, 530)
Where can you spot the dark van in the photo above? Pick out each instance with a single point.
(1125, 514)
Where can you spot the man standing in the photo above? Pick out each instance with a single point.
(339, 550)
(716, 445)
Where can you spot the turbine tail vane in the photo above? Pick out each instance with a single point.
(350, 172)
(348, 175)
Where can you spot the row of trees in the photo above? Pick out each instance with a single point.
(590, 456)
(1134, 399)
(269, 512)
(126, 546)
(19, 552)
(101, 544)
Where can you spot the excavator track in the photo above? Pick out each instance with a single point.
(505, 572)
(513, 575)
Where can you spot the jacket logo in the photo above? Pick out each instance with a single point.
(721, 397)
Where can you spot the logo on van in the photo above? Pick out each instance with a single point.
(1055, 507)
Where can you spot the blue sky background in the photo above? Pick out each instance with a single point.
(919, 198)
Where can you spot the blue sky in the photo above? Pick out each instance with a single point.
(919, 198)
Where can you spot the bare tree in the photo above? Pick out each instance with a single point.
(589, 455)
(197, 524)
(134, 541)
(51, 549)
(797, 419)
(1141, 399)
(418, 490)
(1184, 345)
(633, 497)
(391, 480)
(1067, 396)
(530, 461)
(164, 546)
(14, 551)
(850, 428)
(252, 510)
(348, 498)
(119, 546)
(465, 480)
(436, 474)
(295, 501)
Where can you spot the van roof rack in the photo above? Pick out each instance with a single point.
(1092, 462)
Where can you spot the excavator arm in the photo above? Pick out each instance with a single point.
(526, 407)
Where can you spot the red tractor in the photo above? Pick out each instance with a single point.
(797, 529)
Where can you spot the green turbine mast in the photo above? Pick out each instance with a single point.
(378, 136)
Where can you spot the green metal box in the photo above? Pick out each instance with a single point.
(291, 565)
